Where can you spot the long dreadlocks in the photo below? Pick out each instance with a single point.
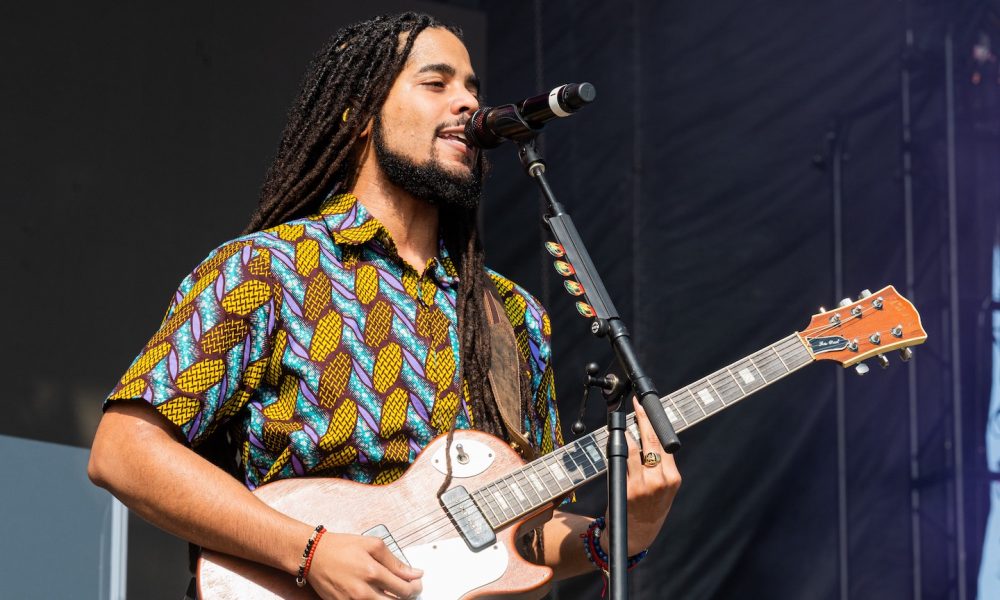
(320, 149)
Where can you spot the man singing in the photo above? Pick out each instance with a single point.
(345, 330)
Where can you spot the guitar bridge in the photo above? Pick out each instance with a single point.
(382, 532)
(470, 521)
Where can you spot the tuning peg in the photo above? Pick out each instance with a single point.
(864, 294)
(905, 354)
(845, 302)
(882, 361)
(822, 309)
(861, 368)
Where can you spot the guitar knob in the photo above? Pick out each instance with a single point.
(864, 294)
(905, 354)
(461, 456)
(845, 302)
(861, 368)
(882, 361)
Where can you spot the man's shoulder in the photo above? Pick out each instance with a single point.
(521, 306)
(282, 241)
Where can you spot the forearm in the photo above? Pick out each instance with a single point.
(137, 459)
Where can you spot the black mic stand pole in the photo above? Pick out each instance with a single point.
(607, 323)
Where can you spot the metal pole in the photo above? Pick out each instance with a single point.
(911, 372)
(956, 362)
(837, 184)
(118, 551)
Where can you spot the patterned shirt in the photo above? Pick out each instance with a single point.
(319, 351)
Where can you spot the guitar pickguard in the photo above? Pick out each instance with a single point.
(451, 570)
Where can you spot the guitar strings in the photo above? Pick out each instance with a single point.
(688, 408)
(438, 527)
(420, 530)
(545, 476)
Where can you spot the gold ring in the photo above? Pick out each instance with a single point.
(651, 459)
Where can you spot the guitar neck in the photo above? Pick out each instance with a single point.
(538, 483)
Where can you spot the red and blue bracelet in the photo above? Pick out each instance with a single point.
(597, 556)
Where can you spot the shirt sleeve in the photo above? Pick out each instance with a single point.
(211, 351)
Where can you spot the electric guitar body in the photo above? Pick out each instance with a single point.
(409, 517)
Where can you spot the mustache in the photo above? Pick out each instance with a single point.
(456, 123)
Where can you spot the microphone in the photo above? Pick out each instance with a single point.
(491, 126)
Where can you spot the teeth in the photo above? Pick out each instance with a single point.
(452, 136)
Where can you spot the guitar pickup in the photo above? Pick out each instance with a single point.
(470, 521)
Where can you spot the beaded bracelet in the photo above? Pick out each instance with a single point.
(594, 552)
(307, 555)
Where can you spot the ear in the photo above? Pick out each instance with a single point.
(365, 133)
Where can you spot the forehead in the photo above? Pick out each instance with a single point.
(439, 46)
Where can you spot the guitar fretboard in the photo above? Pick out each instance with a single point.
(558, 473)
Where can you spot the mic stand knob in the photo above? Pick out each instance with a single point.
(610, 385)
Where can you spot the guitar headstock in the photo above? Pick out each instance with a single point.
(873, 325)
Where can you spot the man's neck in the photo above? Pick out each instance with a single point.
(412, 223)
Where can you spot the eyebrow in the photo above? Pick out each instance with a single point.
(446, 69)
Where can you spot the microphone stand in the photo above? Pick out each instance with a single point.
(607, 323)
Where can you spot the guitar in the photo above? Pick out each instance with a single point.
(465, 544)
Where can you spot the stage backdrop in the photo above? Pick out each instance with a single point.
(137, 138)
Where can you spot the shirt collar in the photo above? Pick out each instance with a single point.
(350, 224)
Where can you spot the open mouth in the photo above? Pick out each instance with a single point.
(455, 138)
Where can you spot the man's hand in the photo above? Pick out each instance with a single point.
(651, 490)
(353, 566)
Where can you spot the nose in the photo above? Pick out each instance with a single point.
(464, 102)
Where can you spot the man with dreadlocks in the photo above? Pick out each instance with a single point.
(345, 329)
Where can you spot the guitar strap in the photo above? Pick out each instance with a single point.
(505, 381)
(505, 373)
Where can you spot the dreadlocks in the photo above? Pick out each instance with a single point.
(320, 148)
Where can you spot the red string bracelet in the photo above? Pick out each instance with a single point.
(307, 555)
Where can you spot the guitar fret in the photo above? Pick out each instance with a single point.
(783, 363)
(690, 410)
(756, 368)
(538, 482)
(717, 394)
(507, 489)
(518, 493)
(770, 369)
(742, 389)
(696, 401)
(547, 477)
(535, 498)
(729, 389)
(595, 453)
(674, 414)
(486, 501)
(494, 504)
(558, 472)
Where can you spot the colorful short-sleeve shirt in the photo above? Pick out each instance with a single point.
(318, 351)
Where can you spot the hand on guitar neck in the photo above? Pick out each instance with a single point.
(651, 491)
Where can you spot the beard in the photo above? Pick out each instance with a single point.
(429, 181)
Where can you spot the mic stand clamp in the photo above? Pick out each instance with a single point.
(607, 323)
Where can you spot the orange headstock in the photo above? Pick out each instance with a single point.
(872, 326)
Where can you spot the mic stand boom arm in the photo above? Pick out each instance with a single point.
(607, 323)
